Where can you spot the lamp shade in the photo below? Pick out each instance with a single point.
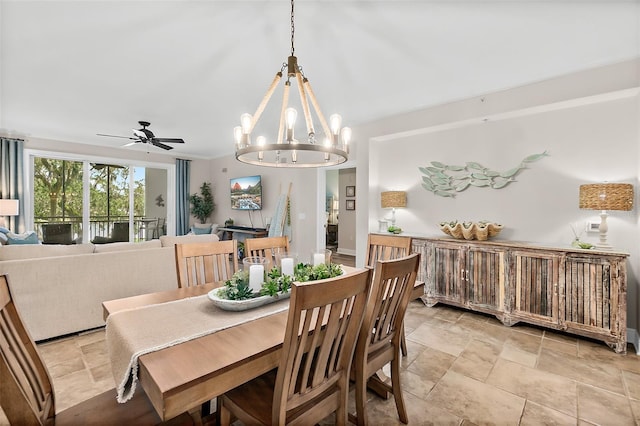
(392, 199)
(9, 207)
(606, 196)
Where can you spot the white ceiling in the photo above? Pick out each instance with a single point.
(71, 69)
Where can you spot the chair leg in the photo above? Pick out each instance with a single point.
(397, 390)
(403, 341)
(224, 415)
(361, 396)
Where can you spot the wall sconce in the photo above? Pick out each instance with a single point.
(603, 197)
(393, 200)
(9, 208)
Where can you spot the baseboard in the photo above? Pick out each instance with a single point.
(634, 338)
(346, 251)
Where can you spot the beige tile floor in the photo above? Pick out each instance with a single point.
(462, 369)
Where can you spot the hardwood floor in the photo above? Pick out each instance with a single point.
(343, 259)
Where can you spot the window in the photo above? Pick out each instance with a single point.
(103, 200)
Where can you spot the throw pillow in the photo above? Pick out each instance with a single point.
(200, 231)
(25, 238)
(4, 230)
(101, 240)
(3, 238)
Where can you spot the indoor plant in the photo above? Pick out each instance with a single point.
(202, 205)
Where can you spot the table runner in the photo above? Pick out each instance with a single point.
(135, 332)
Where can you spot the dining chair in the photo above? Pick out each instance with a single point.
(381, 332)
(387, 247)
(27, 396)
(202, 263)
(159, 229)
(267, 247)
(312, 378)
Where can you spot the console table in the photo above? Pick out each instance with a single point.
(252, 232)
(578, 291)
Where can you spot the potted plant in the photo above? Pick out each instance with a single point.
(202, 204)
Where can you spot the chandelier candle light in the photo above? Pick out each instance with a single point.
(603, 197)
(286, 151)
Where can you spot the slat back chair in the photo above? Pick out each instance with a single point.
(26, 392)
(386, 247)
(381, 331)
(312, 379)
(267, 247)
(202, 263)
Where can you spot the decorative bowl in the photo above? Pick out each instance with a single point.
(243, 305)
(480, 231)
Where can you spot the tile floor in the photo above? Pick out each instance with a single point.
(462, 369)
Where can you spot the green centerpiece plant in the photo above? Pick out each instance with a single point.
(237, 288)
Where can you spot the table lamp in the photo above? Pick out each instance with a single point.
(603, 197)
(393, 200)
(9, 208)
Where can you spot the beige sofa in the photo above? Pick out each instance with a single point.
(59, 289)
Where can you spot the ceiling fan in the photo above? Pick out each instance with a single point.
(145, 135)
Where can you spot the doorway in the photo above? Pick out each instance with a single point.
(340, 210)
(332, 211)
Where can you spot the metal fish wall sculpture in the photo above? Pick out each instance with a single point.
(446, 180)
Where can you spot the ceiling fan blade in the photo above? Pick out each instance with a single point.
(140, 134)
(114, 136)
(160, 145)
(168, 140)
(131, 143)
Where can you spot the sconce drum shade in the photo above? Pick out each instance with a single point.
(606, 196)
(9, 208)
(392, 199)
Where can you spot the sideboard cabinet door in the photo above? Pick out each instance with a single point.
(484, 271)
(466, 275)
(445, 281)
(594, 296)
(534, 288)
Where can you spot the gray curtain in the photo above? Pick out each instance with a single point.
(12, 178)
(183, 171)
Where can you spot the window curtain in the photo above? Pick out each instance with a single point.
(183, 171)
(12, 179)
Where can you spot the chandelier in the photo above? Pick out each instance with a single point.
(286, 150)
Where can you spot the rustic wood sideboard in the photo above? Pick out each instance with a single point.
(578, 291)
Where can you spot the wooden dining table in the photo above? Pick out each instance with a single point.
(181, 377)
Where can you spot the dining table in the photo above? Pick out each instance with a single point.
(183, 376)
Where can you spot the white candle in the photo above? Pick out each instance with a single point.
(287, 266)
(318, 259)
(256, 277)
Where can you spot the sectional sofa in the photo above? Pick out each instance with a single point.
(59, 289)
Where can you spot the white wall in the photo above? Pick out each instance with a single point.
(588, 122)
(307, 201)
(155, 185)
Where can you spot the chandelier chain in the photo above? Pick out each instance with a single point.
(293, 30)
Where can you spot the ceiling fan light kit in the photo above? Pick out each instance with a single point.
(286, 151)
(145, 135)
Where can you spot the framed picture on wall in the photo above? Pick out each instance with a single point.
(351, 204)
(351, 192)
